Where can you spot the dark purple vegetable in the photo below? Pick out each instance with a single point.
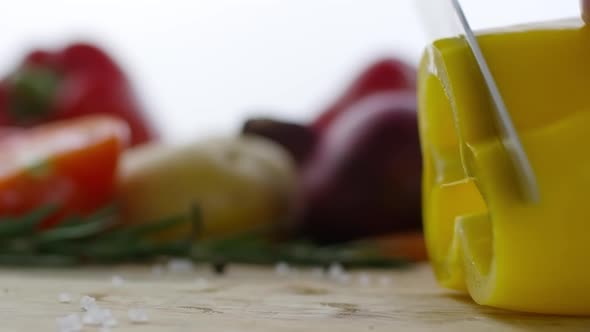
(364, 177)
(298, 139)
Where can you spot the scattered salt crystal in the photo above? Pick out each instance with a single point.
(180, 265)
(87, 303)
(110, 322)
(64, 298)
(99, 317)
(117, 281)
(69, 323)
(108, 319)
(90, 318)
(137, 315)
(95, 315)
(157, 270)
(335, 270)
(385, 281)
(201, 283)
(364, 280)
(282, 268)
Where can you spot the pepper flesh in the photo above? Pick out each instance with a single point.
(481, 236)
(70, 163)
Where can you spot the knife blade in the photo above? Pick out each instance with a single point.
(508, 134)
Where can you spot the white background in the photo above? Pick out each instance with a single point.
(203, 66)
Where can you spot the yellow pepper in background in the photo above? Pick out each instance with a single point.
(481, 236)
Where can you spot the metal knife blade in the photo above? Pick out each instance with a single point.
(509, 136)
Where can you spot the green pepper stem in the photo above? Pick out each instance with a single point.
(33, 92)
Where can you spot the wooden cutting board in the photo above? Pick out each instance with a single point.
(254, 299)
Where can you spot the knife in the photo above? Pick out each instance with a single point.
(510, 140)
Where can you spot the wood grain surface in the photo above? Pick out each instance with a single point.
(254, 299)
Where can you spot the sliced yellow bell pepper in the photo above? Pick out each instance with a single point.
(481, 236)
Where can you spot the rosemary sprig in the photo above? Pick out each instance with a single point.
(101, 238)
(23, 259)
(95, 224)
(263, 252)
(96, 238)
(11, 227)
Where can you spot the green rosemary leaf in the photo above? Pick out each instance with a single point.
(257, 250)
(18, 245)
(140, 250)
(93, 226)
(134, 231)
(99, 238)
(72, 220)
(19, 259)
(251, 237)
(124, 243)
(25, 225)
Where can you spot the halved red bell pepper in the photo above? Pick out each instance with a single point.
(78, 80)
(71, 164)
(384, 75)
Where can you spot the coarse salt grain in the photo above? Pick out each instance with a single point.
(335, 270)
(87, 302)
(364, 280)
(117, 281)
(64, 298)
(282, 268)
(180, 265)
(201, 283)
(110, 321)
(69, 323)
(92, 317)
(99, 317)
(137, 315)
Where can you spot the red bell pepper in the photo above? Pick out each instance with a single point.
(71, 164)
(78, 80)
(385, 75)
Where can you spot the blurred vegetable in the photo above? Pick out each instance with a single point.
(8, 131)
(78, 80)
(406, 245)
(385, 75)
(298, 139)
(70, 163)
(365, 175)
(239, 183)
(360, 160)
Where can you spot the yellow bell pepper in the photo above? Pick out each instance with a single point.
(481, 236)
